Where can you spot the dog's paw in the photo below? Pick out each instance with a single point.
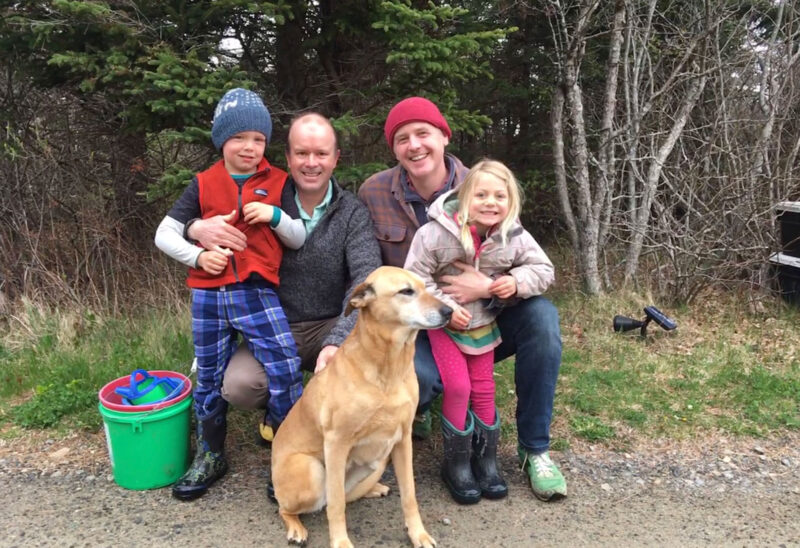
(423, 540)
(296, 533)
(341, 543)
(378, 490)
(296, 538)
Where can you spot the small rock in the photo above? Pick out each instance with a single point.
(726, 459)
(758, 450)
(605, 487)
(786, 461)
(60, 454)
(90, 478)
(56, 474)
(446, 521)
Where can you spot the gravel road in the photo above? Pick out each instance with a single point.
(718, 492)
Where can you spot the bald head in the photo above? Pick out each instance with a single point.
(311, 154)
(315, 122)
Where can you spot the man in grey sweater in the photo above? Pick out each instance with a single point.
(339, 251)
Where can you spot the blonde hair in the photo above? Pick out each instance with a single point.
(480, 171)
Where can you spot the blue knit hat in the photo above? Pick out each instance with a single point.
(239, 110)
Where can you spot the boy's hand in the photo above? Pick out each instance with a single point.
(257, 212)
(212, 262)
(460, 318)
(504, 287)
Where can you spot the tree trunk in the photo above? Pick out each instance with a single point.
(642, 213)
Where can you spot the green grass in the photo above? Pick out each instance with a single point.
(52, 377)
(723, 370)
(712, 374)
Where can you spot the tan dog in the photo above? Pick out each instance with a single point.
(357, 412)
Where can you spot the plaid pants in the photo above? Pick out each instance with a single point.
(256, 313)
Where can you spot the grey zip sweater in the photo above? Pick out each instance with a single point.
(317, 279)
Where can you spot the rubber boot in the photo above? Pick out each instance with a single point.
(456, 471)
(421, 427)
(484, 458)
(209, 463)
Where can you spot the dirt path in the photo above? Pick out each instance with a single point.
(720, 492)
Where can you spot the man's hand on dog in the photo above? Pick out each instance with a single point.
(324, 357)
(217, 234)
(469, 286)
(212, 262)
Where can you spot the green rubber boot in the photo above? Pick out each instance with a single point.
(209, 462)
(456, 470)
(484, 458)
(421, 427)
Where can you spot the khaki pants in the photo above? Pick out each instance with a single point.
(245, 382)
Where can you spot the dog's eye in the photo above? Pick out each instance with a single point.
(407, 291)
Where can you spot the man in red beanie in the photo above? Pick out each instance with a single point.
(398, 200)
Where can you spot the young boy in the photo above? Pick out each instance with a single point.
(234, 291)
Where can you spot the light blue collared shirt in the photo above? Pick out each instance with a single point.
(311, 221)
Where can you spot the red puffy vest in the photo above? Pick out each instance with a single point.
(219, 195)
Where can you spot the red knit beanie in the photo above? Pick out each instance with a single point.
(414, 109)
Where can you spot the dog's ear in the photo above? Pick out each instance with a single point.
(361, 297)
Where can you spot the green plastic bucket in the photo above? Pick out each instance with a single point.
(150, 449)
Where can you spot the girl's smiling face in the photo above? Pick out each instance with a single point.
(488, 203)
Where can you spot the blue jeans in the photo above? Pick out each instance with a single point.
(530, 329)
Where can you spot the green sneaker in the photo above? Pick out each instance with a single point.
(545, 477)
(421, 427)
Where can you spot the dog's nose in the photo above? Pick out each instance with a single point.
(446, 311)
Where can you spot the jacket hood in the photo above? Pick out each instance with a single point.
(443, 210)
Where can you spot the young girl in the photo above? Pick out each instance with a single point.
(478, 224)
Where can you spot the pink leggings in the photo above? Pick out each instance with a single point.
(466, 378)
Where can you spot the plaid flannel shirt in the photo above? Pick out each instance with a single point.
(393, 217)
